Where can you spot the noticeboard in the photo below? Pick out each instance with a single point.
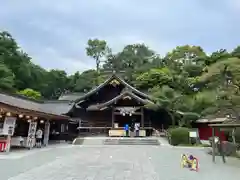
(9, 125)
(193, 134)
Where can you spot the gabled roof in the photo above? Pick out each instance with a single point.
(28, 104)
(123, 95)
(215, 120)
(71, 96)
(58, 107)
(120, 80)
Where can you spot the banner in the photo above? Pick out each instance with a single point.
(9, 125)
(46, 133)
(31, 134)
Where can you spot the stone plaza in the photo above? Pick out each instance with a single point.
(110, 162)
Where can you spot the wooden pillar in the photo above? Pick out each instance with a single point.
(142, 117)
(213, 144)
(221, 148)
(46, 133)
(113, 117)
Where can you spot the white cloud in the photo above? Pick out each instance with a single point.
(55, 32)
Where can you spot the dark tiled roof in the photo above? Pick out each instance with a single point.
(71, 96)
(215, 120)
(114, 76)
(34, 105)
(58, 107)
(126, 93)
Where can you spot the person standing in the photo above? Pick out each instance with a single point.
(39, 135)
(126, 128)
(136, 128)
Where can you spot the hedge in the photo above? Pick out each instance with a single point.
(179, 135)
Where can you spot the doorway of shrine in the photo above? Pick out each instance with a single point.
(127, 119)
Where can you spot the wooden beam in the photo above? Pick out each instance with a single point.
(142, 117)
(221, 148)
(135, 113)
(213, 144)
(113, 116)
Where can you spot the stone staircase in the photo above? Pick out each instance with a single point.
(132, 141)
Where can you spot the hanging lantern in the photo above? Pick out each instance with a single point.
(29, 121)
(27, 117)
(123, 114)
(8, 114)
(35, 118)
(20, 115)
(42, 121)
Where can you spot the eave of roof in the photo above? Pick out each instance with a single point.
(124, 94)
(225, 125)
(215, 120)
(26, 104)
(114, 76)
(70, 96)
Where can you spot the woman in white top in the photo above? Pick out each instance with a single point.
(39, 135)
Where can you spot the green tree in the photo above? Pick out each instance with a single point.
(86, 81)
(167, 98)
(185, 55)
(30, 93)
(154, 77)
(217, 56)
(97, 49)
(6, 78)
(236, 52)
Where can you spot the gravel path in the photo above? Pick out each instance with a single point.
(114, 162)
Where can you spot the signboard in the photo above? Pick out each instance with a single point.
(115, 125)
(31, 134)
(46, 132)
(9, 126)
(193, 134)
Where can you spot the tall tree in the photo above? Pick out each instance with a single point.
(97, 49)
(6, 78)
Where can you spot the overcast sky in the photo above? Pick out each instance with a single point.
(55, 32)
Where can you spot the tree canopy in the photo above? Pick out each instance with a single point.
(185, 80)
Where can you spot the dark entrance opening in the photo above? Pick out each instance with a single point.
(160, 119)
(123, 120)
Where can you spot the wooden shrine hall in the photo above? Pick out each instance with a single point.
(104, 110)
(109, 107)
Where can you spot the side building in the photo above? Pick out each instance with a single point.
(20, 117)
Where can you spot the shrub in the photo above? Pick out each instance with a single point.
(179, 135)
(237, 135)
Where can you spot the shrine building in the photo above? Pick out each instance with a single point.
(104, 111)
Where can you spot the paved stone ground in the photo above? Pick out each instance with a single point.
(114, 162)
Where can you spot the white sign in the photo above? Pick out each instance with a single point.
(115, 125)
(46, 133)
(31, 134)
(193, 134)
(9, 125)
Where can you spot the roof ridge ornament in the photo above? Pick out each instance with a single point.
(126, 89)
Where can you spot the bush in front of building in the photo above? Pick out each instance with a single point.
(237, 135)
(178, 135)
